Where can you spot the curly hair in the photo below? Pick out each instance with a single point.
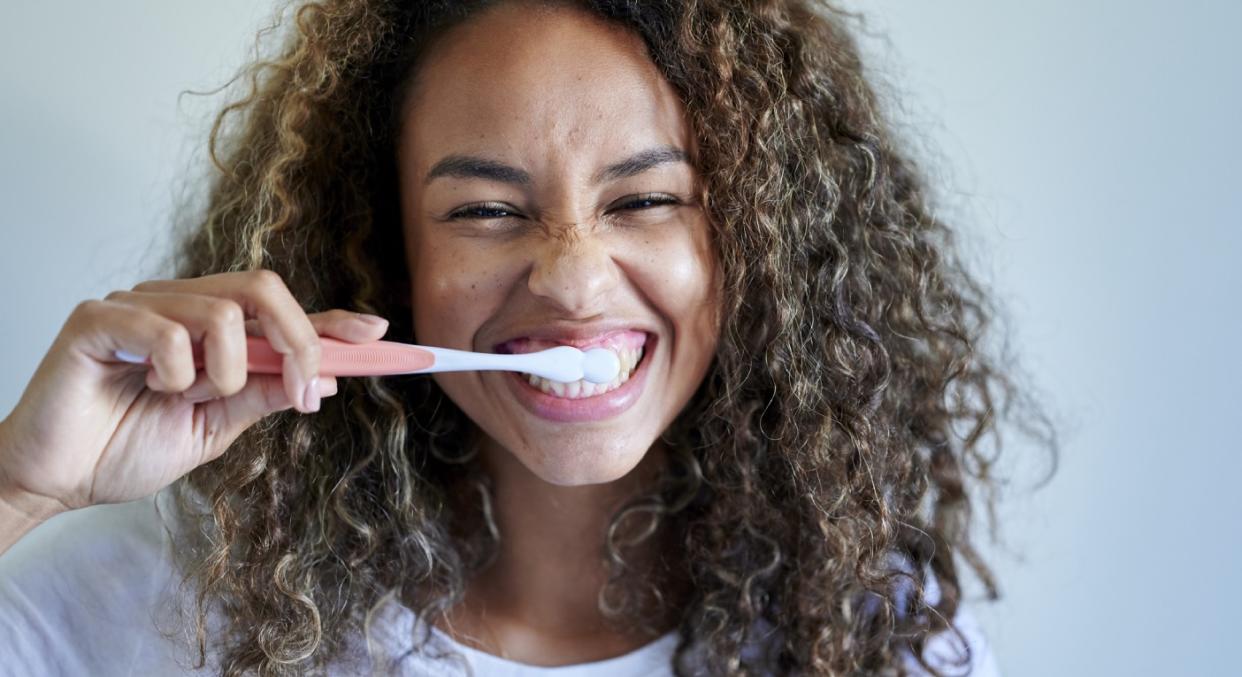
(840, 425)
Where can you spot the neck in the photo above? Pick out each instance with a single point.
(543, 587)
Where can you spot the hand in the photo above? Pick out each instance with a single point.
(90, 428)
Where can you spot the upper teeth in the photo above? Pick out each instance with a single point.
(573, 390)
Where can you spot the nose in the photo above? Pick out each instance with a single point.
(573, 270)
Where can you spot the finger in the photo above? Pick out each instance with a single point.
(349, 326)
(226, 418)
(97, 329)
(214, 322)
(264, 296)
(338, 323)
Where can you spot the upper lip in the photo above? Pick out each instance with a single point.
(577, 335)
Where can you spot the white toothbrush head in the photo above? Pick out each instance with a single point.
(600, 365)
(567, 364)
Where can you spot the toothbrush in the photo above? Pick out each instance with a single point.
(390, 358)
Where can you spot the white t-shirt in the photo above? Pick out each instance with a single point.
(88, 593)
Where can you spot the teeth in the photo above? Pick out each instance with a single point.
(577, 390)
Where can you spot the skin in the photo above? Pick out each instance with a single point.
(84, 429)
(562, 96)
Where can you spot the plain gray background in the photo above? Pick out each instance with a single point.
(1087, 151)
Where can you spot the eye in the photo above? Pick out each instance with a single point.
(482, 211)
(649, 200)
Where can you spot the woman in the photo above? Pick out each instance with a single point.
(776, 487)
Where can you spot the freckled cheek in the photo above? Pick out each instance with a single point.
(455, 290)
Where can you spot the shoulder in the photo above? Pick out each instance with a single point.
(83, 589)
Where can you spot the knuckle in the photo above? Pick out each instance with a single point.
(266, 280)
(225, 313)
(172, 337)
(85, 316)
(88, 310)
(146, 285)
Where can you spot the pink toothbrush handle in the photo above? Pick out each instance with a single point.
(338, 358)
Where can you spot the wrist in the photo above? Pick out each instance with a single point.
(20, 510)
(16, 504)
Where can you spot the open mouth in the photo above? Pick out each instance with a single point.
(631, 346)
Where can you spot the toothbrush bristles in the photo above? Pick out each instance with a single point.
(600, 365)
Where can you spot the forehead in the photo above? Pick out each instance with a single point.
(554, 85)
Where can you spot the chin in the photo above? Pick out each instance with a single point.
(580, 464)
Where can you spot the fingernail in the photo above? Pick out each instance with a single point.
(310, 399)
(372, 319)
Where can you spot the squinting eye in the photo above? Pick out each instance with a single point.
(473, 212)
(649, 201)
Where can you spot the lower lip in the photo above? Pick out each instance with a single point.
(594, 408)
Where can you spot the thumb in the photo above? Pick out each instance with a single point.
(228, 417)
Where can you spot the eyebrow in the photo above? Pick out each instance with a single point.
(641, 162)
(473, 167)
